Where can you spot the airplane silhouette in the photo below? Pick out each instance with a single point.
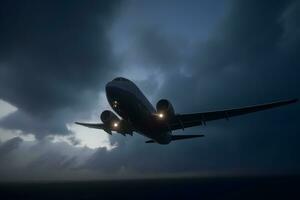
(139, 115)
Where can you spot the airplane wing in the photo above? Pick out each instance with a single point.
(91, 125)
(103, 127)
(182, 121)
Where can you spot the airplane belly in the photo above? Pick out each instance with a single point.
(160, 137)
(130, 107)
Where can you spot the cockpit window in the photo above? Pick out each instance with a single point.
(121, 79)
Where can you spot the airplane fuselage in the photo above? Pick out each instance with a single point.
(127, 100)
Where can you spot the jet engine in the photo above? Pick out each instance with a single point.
(165, 109)
(110, 119)
(114, 123)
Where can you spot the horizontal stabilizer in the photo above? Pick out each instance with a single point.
(182, 137)
(179, 137)
(150, 141)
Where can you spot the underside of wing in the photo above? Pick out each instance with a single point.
(91, 125)
(196, 119)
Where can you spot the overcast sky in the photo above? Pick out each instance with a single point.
(56, 57)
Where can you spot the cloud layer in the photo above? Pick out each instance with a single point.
(56, 58)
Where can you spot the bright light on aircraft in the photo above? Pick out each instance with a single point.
(116, 124)
(161, 115)
(115, 104)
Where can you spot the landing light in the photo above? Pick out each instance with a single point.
(115, 124)
(115, 104)
(161, 115)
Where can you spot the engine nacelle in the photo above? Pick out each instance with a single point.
(108, 117)
(165, 108)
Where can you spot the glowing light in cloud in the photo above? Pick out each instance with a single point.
(92, 138)
(6, 108)
(9, 134)
(88, 137)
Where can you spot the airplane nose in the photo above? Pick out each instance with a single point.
(111, 89)
(116, 88)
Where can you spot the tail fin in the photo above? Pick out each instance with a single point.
(179, 137)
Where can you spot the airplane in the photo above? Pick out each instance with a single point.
(138, 114)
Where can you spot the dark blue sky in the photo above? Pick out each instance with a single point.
(56, 56)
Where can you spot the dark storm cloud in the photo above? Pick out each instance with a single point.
(156, 49)
(243, 57)
(245, 62)
(27, 160)
(250, 57)
(9, 146)
(50, 160)
(54, 58)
